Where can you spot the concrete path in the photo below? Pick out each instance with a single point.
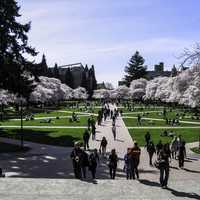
(122, 142)
(52, 167)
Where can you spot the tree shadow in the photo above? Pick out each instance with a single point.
(192, 171)
(184, 194)
(41, 137)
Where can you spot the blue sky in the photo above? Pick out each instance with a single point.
(107, 32)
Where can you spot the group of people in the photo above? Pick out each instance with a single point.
(166, 152)
(81, 161)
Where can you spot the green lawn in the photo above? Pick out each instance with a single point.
(133, 122)
(158, 115)
(59, 137)
(54, 122)
(189, 135)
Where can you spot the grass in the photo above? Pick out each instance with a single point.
(11, 148)
(133, 122)
(189, 135)
(59, 137)
(196, 150)
(54, 122)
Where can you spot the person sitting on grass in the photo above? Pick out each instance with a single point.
(74, 117)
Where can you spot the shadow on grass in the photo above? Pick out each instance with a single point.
(42, 137)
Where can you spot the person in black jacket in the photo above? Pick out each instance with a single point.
(93, 160)
(113, 159)
(181, 154)
(84, 163)
(163, 159)
(76, 156)
(151, 150)
(86, 137)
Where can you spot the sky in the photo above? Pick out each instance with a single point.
(106, 33)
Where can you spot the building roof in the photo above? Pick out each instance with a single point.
(71, 65)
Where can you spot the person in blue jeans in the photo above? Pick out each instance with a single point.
(163, 159)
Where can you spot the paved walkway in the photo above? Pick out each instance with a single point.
(51, 166)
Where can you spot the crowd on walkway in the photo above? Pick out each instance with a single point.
(83, 159)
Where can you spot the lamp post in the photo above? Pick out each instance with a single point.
(21, 118)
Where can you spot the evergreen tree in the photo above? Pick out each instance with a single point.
(84, 80)
(135, 68)
(174, 71)
(69, 78)
(91, 82)
(13, 45)
(56, 71)
(44, 67)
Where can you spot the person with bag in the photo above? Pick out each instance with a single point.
(163, 160)
(113, 159)
(76, 155)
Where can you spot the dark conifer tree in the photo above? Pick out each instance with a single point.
(44, 67)
(174, 71)
(91, 82)
(13, 45)
(56, 71)
(135, 68)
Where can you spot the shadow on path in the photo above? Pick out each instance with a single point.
(183, 194)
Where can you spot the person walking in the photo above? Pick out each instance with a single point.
(114, 131)
(151, 150)
(159, 146)
(93, 132)
(93, 164)
(89, 123)
(181, 154)
(174, 147)
(127, 164)
(113, 159)
(76, 155)
(136, 151)
(103, 146)
(84, 163)
(163, 160)
(147, 138)
(86, 137)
